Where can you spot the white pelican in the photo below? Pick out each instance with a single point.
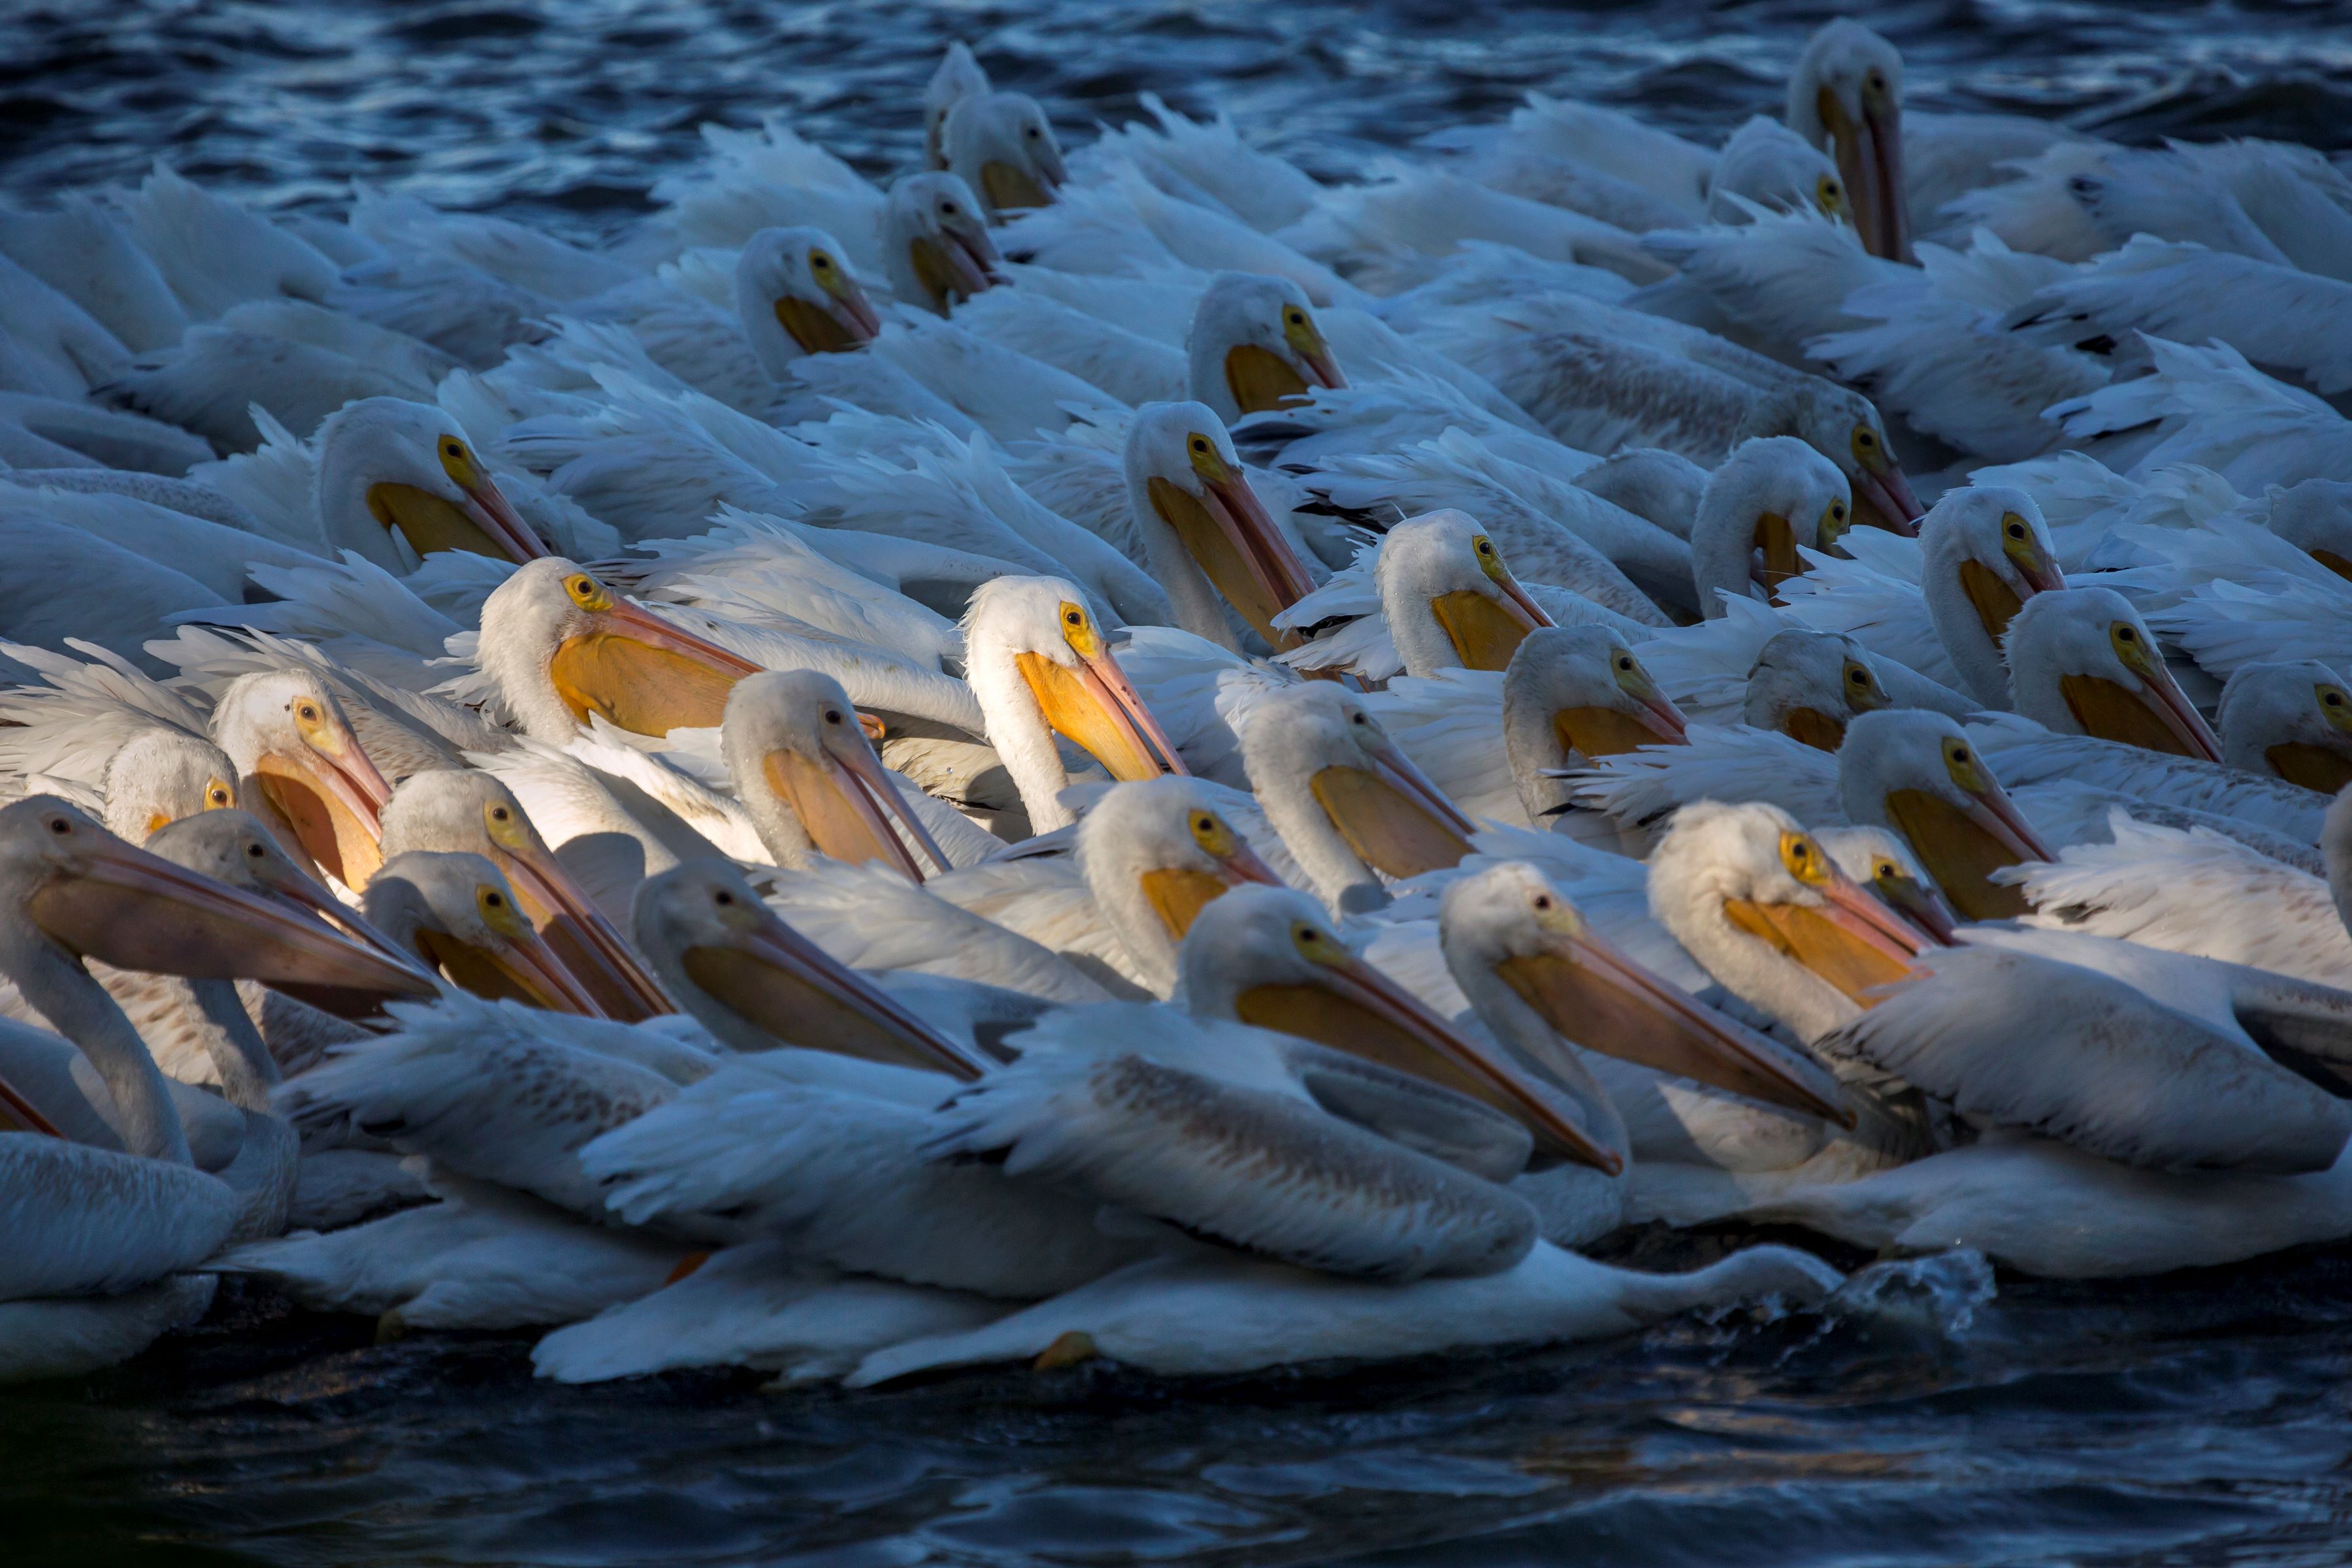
(1208, 540)
(1496, 745)
(935, 243)
(88, 1224)
(457, 915)
(1146, 857)
(1254, 343)
(1772, 496)
(1809, 686)
(807, 775)
(471, 812)
(2082, 662)
(1349, 805)
(1039, 667)
(1001, 145)
(1917, 773)
(2291, 720)
(302, 771)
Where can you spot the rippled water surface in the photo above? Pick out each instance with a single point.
(2206, 1419)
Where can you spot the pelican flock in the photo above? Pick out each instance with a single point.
(1129, 753)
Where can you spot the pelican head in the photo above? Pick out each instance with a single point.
(1912, 770)
(1843, 426)
(1208, 535)
(959, 77)
(1985, 552)
(560, 645)
(233, 847)
(1772, 166)
(74, 891)
(1449, 598)
(1773, 494)
(1254, 343)
(469, 812)
(1766, 911)
(1344, 799)
(935, 242)
(1000, 145)
(2315, 517)
(1268, 957)
(805, 771)
(1156, 853)
(161, 775)
(1809, 686)
(461, 919)
(1518, 947)
(398, 481)
(1571, 694)
(2292, 718)
(795, 295)
(294, 751)
(756, 983)
(1879, 860)
(1847, 97)
(2082, 662)
(1039, 667)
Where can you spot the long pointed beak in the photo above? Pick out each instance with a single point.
(1400, 773)
(1452, 1059)
(1872, 921)
(1125, 708)
(1890, 208)
(1849, 939)
(1322, 369)
(1776, 542)
(1918, 905)
(22, 1114)
(645, 674)
(523, 968)
(136, 911)
(781, 982)
(1890, 496)
(1658, 712)
(355, 780)
(583, 941)
(496, 516)
(1274, 567)
(2177, 713)
(1596, 995)
(1179, 893)
(1995, 813)
(846, 805)
(306, 895)
(1523, 602)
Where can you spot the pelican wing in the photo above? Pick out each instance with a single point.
(1733, 762)
(1254, 1167)
(2027, 1042)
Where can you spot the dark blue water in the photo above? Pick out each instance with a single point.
(2205, 1419)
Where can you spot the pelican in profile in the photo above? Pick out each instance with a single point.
(397, 481)
(1917, 773)
(1771, 497)
(2291, 720)
(1984, 551)
(1348, 804)
(96, 1236)
(1255, 345)
(1001, 144)
(455, 914)
(1810, 686)
(1210, 540)
(471, 812)
(1040, 667)
(806, 771)
(301, 769)
(935, 244)
(2082, 662)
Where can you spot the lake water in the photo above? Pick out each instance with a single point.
(2201, 1420)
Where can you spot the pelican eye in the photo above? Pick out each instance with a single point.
(1296, 318)
(833, 715)
(947, 209)
(217, 795)
(2016, 530)
(498, 813)
(1200, 444)
(2332, 697)
(1543, 900)
(254, 851)
(723, 899)
(1803, 857)
(1828, 197)
(59, 825)
(1887, 871)
(496, 900)
(1212, 835)
(308, 713)
(819, 261)
(1032, 133)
